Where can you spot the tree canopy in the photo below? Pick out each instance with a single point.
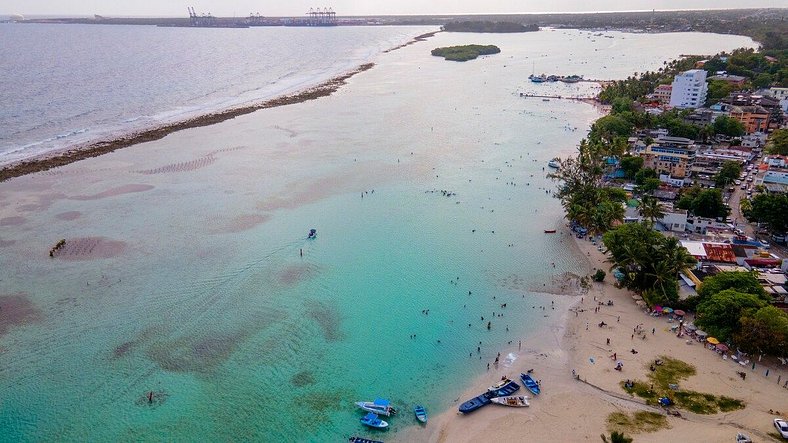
(728, 173)
(631, 165)
(741, 281)
(770, 209)
(778, 142)
(649, 261)
(728, 126)
(703, 202)
(764, 332)
(720, 314)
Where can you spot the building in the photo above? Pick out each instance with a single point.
(689, 89)
(670, 156)
(735, 80)
(754, 118)
(780, 94)
(662, 93)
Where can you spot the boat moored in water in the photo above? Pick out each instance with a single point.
(549, 231)
(554, 163)
(379, 406)
(372, 420)
(312, 233)
(421, 413)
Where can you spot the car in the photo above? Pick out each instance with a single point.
(782, 427)
(764, 244)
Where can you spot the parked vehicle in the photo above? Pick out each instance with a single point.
(782, 427)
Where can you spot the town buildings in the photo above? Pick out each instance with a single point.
(689, 89)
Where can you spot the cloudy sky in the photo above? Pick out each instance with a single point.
(358, 7)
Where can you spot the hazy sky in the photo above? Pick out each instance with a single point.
(358, 7)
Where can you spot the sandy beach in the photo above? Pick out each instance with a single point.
(571, 410)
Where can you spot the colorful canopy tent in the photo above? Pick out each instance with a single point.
(667, 310)
(713, 340)
(700, 333)
(658, 308)
(679, 312)
(721, 347)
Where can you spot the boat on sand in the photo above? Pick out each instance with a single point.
(518, 401)
(530, 383)
(508, 388)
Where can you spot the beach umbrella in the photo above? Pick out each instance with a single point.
(721, 347)
(700, 333)
(667, 310)
(658, 308)
(713, 340)
(690, 327)
(679, 312)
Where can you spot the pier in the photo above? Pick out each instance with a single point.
(592, 100)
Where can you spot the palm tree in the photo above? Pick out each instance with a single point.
(650, 209)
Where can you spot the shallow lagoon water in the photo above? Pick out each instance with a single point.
(183, 273)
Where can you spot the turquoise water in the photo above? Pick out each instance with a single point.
(206, 300)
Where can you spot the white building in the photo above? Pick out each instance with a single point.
(689, 89)
(782, 95)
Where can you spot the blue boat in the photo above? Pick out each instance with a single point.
(312, 233)
(507, 389)
(421, 413)
(530, 383)
(475, 403)
(372, 420)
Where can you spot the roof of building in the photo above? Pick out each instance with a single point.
(728, 78)
(720, 252)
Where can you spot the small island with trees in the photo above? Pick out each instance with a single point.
(485, 26)
(465, 52)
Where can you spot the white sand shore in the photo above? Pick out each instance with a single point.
(569, 410)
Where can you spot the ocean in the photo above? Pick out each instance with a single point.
(187, 303)
(68, 85)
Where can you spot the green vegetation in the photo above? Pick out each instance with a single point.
(719, 314)
(466, 52)
(703, 202)
(636, 423)
(764, 332)
(631, 165)
(650, 209)
(733, 306)
(487, 26)
(585, 201)
(728, 126)
(599, 275)
(649, 260)
(671, 372)
(728, 173)
(770, 209)
(778, 142)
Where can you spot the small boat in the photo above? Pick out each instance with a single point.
(538, 78)
(379, 406)
(530, 383)
(355, 439)
(549, 231)
(421, 413)
(504, 381)
(475, 403)
(554, 164)
(312, 233)
(373, 421)
(508, 389)
(518, 401)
